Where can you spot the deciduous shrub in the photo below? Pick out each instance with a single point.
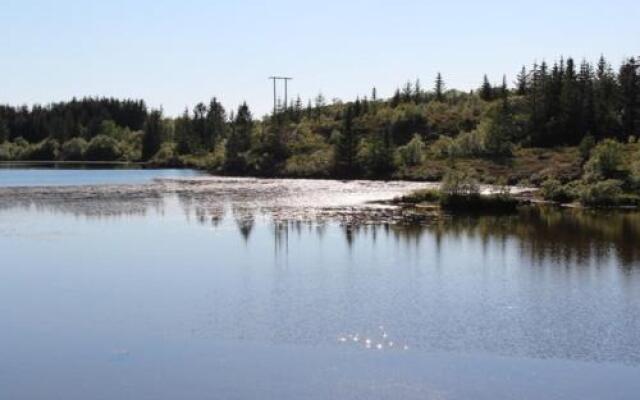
(412, 153)
(606, 161)
(74, 149)
(552, 189)
(103, 148)
(459, 182)
(602, 193)
(422, 196)
(46, 150)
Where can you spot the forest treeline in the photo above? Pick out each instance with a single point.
(546, 106)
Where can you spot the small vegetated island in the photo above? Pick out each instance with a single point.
(570, 129)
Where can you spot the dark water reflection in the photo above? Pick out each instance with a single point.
(173, 291)
(568, 236)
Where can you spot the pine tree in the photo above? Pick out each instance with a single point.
(297, 109)
(629, 81)
(271, 149)
(522, 82)
(239, 141)
(586, 119)
(407, 92)
(199, 125)
(486, 90)
(215, 124)
(417, 92)
(570, 106)
(309, 111)
(396, 99)
(4, 131)
(504, 89)
(153, 134)
(357, 108)
(606, 100)
(346, 147)
(378, 153)
(183, 134)
(439, 87)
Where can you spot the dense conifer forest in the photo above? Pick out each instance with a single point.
(541, 127)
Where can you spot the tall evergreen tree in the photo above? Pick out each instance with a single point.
(154, 134)
(407, 92)
(606, 100)
(215, 124)
(439, 87)
(522, 83)
(629, 80)
(396, 99)
(182, 133)
(417, 92)
(239, 141)
(346, 147)
(486, 90)
(199, 126)
(570, 106)
(586, 119)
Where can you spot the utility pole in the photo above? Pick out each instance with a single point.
(275, 95)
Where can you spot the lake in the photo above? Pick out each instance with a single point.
(165, 284)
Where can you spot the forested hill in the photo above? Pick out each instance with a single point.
(546, 106)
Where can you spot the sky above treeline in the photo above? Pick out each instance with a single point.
(176, 53)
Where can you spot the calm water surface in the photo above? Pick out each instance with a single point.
(211, 288)
(38, 175)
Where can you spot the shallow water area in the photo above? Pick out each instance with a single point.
(193, 286)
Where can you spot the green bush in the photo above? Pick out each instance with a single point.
(460, 182)
(552, 189)
(103, 148)
(47, 150)
(443, 147)
(6, 151)
(19, 149)
(606, 161)
(635, 172)
(494, 136)
(412, 153)
(601, 194)
(166, 156)
(586, 146)
(467, 144)
(74, 149)
(316, 164)
(421, 196)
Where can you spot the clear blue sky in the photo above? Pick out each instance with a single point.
(175, 53)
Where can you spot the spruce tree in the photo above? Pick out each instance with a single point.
(522, 82)
(629, 81)
(486, 90)
(346, 147)
(215, 124)
(417, 92)
(396, 99)
(182, 133)
(439, 87)
(606, 100)
(239, 141)
(199, 126)
(153, 134)
(407, 92)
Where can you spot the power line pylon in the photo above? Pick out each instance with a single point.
(286, 80)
